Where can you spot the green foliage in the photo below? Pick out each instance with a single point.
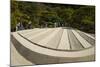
(42, 14)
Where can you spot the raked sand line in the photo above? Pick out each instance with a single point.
(23, 32)
(54, 42)
(82, 40)
(33, 30)
(87, 35)
(64, 42)
(87, 38)
(74, 43)
(39, 34)
(47, 39)
(33, 33)
(43, 36)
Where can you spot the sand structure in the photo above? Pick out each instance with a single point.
(51, 45)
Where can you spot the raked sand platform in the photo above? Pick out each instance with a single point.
(51, 45)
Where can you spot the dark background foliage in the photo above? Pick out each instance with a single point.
(47, 14)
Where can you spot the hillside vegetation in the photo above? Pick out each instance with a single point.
(47, 15)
